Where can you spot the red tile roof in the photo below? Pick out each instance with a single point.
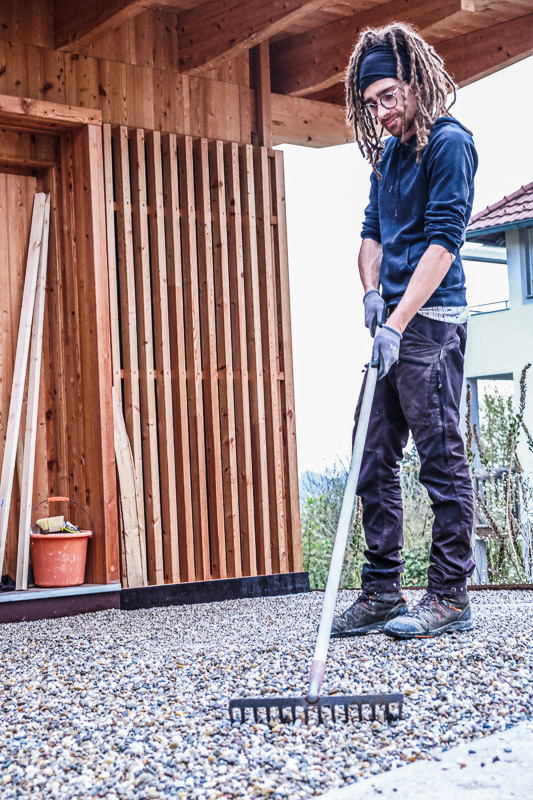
(518, 207)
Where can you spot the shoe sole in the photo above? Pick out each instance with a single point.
(375, 627)
(452, 627)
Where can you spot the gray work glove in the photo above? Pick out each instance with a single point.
(386, 350)
(375, 310)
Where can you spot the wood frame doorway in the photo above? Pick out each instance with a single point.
(79, 455)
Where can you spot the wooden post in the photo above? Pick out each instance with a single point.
(260, 68)
(255, 362)
(240, 360)
(163, 373)
(152, 492)
(225, 360)
(215, 496)
(21, 363)
(30, 434)
(292, 494)
(177, 357)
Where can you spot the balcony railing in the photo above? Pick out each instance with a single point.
(487, 308)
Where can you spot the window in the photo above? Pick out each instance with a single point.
(527, 261)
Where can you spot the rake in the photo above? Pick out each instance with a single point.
(332, 703)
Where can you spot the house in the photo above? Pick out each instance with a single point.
(500, 335)
(151, 124)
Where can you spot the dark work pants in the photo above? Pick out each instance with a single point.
(420, 394)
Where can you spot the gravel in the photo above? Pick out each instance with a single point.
(134, 704)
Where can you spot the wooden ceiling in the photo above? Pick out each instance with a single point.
(310, 40)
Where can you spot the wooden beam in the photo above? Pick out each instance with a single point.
(480, 53)
(213, 32)
(312, 61)
(296, 120)
(81, 22)
(23, 112)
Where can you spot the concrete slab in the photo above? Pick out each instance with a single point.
(497, 767)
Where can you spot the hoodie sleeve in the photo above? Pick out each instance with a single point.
(371, 228)
(450, 169)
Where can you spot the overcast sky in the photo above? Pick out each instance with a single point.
(327, 190)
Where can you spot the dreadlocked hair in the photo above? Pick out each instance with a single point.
(428, 80)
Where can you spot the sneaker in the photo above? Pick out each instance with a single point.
(369, 613)
(432, 615)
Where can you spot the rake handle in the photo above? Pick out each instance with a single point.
(318, 665)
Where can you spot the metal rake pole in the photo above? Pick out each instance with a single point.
(318, 665)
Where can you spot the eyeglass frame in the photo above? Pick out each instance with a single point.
(368, 106)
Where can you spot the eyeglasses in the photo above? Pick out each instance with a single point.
(387, 100)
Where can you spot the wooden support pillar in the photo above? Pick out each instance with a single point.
(260, 80)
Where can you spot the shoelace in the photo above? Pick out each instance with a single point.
(424, 605)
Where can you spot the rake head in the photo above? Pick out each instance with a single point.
(334, 704)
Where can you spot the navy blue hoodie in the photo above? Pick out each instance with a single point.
(418, 204)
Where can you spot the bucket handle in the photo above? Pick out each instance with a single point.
(66, 500)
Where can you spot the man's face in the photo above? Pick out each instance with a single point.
(391, 118)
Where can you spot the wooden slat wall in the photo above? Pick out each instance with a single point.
(201, 283)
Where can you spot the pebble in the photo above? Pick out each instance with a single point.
(125, 705)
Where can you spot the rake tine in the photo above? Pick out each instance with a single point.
(360, 711)
(293, 710)
(306, 715)
(319, 709)
(255, 714)
(281, 714)
(243, 714)
(333, 713)
(268, 713)
(387, 712)
(373, 707)
(346, 712)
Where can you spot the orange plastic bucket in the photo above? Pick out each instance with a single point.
(59, 558)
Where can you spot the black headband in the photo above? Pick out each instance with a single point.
(379, 62)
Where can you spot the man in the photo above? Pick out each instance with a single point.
(414, 303)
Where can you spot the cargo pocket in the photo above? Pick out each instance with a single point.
(417, 383)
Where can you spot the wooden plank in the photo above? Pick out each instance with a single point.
(177, 357)
(71, 386)
(225, 360)
(145, 343)
(317, 59)
(79, 22)
(96, 380)
(240, 359)
(292, 493)
(107, 144)
(270, 361)
(128, 312)
(480, 53)
(32, 409)
(191, 306)
(208, 336)
(296, 120)
(41, 115)
(19, 371)
(163, 370)
(260, 70)
(57, 407)
(214, 31)
(133, 544)
(255, 362)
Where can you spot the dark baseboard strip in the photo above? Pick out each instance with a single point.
(63, 606)
(176, 594)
